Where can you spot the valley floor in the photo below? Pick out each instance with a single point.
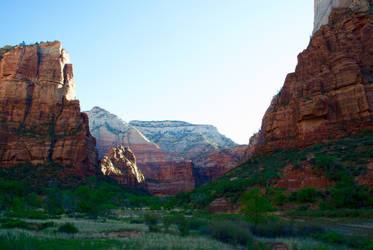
(183, 229)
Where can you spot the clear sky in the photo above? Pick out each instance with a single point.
(213, 62)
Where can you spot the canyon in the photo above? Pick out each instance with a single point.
(329, 96)
(174, 156)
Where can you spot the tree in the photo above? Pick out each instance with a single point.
(256, 205)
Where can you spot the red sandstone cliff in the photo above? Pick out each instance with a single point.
(209, 167)
(120, 164)
(330, 94)
(40, 118)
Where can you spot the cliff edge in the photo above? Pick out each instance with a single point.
(40, 118)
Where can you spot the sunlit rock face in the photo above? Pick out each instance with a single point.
(120, 165)
(165, 174)
(324, 7)
(184, 139)
(39, 115)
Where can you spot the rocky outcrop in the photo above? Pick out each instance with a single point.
(40, 118)
(209, 167)
(303, 176)
(324, 7)
(330, 94)
(222, 206)
(183, 139)
(120, 165)
(165, 174)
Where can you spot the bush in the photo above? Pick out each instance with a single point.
(68, 228)
(256, 205)
(275, 227)
(279, 198)
(29, 214)
(234, 232)
(136, 221)
(307, 195)
(355, 242)
(151, 221)
(11, 223)
(183, 225)
(167, 221)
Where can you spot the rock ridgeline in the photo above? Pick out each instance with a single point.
(165, 174)
(323, 9)
(187, 155)
(184, 139)
(40, 118)
(120, 165)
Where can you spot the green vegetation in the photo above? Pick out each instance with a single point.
(68, 228)
(99, 214)
(234, 232)
(5, 49)
(256, 205)
(151, 220)
(340, 160)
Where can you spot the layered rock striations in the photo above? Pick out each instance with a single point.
(40, 118)
(165, 174)
(120, 165)
(330, 94)
(184, 139)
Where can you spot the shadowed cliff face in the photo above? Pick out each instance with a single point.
(40, 118)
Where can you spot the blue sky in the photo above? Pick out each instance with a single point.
(203, 61)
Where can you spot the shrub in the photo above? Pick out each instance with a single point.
(136, 221)
(346, 194)
(167, 221)
(151, 221)
(273, 228)
(68, 228)
(307, 195)
(11, 223)
(278, 228)
(29, 214)
(196, 223)
(33, 200)
(279, 198)
(256, 205)
(183, 225)
(234, 232)
(325, 205)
